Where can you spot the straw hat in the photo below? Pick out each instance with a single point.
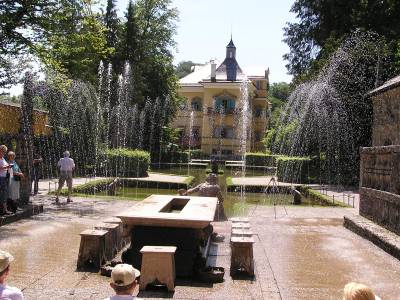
(5, 260)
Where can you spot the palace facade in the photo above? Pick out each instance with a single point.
(210, 119)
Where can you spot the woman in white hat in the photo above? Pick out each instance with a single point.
(6, 291)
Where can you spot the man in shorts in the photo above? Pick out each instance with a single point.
(67, 166)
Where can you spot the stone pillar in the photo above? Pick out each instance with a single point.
(26, 141)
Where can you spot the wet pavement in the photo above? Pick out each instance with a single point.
(304, 254)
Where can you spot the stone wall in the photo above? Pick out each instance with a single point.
(380, 186)
(380, 168)
(386, 128)
(381, 207)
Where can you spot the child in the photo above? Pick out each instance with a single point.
(6, 291)
(123, 282)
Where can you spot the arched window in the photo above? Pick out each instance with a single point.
(196, 104)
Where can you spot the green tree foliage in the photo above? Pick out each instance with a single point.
(184, 68)
(23, 25)
(322, 25)
(280, 90)
(111, 23)
(78, 43)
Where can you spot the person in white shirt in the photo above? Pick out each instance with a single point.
(123, 282)
(66, 165)
(4, 180)
(6, 291)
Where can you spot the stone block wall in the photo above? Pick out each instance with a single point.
(386, 128)
(380, 168)
(381, 207)
(380, 186)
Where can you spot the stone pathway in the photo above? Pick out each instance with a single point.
(346, 196)
(304, 254)
(262, 181)
(47, 185)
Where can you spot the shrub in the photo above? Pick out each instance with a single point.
(123, 162)
(175, 157)
(195, 153)
(93, 187)
(294, 169)
(260, 159)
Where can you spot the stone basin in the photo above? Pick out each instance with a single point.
(171, 211)
(167, 220)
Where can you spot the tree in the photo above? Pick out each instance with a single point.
(111, 23)
(77, 45)
(184, 68)
(131, 31)
(22, 26)
(323, 25)
(280, 90)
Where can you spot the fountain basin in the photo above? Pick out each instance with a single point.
(155, 210)
(168, 220)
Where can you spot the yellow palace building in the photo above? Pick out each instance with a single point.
(211, 118)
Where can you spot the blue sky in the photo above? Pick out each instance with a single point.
(205, 26)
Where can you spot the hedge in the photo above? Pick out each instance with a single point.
(293, 169)
(123, 162)
(174, 157)
(315, 196)
(260, 159)
(101, 185)
(93, 187)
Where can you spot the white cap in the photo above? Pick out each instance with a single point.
(5, 260)
(124, 274)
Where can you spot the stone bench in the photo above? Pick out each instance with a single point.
(242, 255)
(240, 225)
(123, 241)
(242, 232)
(112, 238)
(158, 265)
(92, 249)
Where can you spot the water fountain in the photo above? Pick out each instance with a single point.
(244, 105)
(327, 117)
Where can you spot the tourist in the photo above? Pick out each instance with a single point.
(358, 291)
(15, 180)
(36, 172)
(66, 165)
(4, 179)
(210, 188)
(123, 282)
(6, 291)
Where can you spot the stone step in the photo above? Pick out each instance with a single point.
(380, 236)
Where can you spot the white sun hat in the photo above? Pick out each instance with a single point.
(124, 274)
(5, 260)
